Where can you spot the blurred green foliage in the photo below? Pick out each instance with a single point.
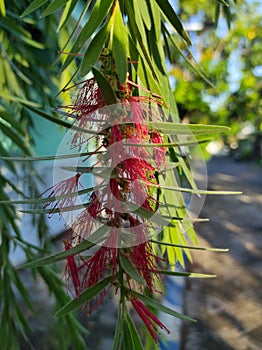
(28, 77)
(231, 60)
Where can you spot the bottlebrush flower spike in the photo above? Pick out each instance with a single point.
(149, 319)
(126, 253)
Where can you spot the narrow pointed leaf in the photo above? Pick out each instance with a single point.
(187, 129)
(151, 216)
(127, 338)
(143, 9)
(18, 99)
(10, 119)
(60, 121)
(142, 47)
(185, 274)
(118, 330)
(69, 8)
(190, 247)
(223, 2)
(194, 65)
(194, 191)
(84, 297)
(96, 237)
(120, 45)
(13, 136)
(137, 344)
(51, 199)
(168, 144)
(33, 6)
(105, 87)
(2, 8)
(173, 19)
(98, 14)
(94, 49)
(130, 269)
(40, 158)
(55, 5)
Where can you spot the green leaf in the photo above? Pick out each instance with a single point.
(119, 326)
(195, 191)
(185, 274)
(51, 199)
(98, 14)
(224, 2)
(13, 136)
(168, 144)
(18, 99)
(189, 247)
(33, 159)
(137, 38)
(156, 53)
(84, 297)
(60, 121)
(156, 18)
(96, 237)
(11, 120)
(57, 210)
(120, 45)
(69, 8)
(173, 19)
(130, 269)
(94, 49)
(106, 89)
(102, 172)
(156, 305)
(186, 129)
(55, 5)
(2, 8)
(147, 214)
(4, 156)
(33, 6)
(135, 338)
(127, 342)
(143, 10)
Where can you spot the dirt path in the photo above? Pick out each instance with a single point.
(228, 308)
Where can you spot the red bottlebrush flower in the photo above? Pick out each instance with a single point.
(72, 269)
(139, 119)
(84, 224)
(104, 258)
(159, 152)
(95, 267)
(145, 262)
(137, 169)
(116, 148)
(149, 319)
(65, 187)
(88, 100)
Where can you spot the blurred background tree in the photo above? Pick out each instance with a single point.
(231, 59)
(28, 78)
